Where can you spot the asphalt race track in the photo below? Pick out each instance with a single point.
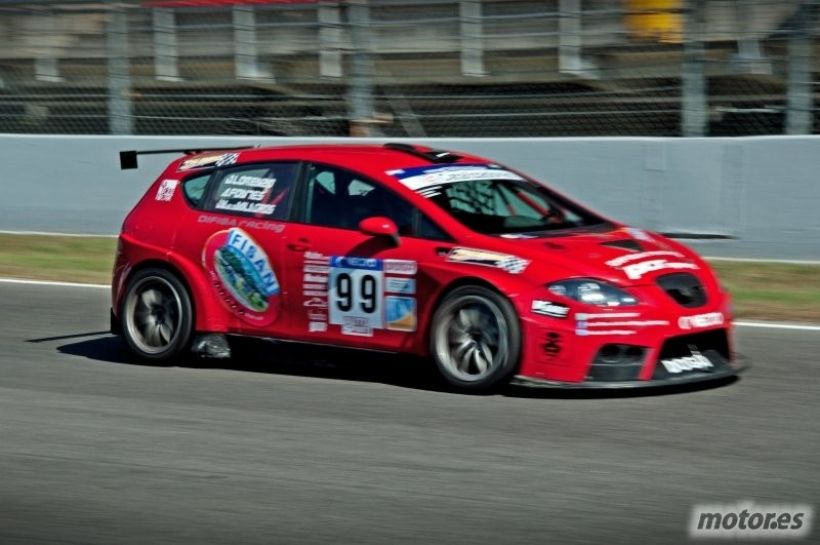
(344, 450)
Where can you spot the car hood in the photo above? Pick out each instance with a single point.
(622, 255)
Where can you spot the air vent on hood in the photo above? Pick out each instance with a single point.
(627, 243)
(684, 288)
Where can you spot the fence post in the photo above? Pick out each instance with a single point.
(799, 99)
(472, 44)
(120, 118)
(246, 54)
(569, 37)
(360, 91)
(693, 82)
(46, 64)
(165, 44)
(330, 40)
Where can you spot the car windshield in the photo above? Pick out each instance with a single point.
(509, 206)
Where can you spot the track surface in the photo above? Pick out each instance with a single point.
(97, 450)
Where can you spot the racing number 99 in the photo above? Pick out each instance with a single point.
(367, 293)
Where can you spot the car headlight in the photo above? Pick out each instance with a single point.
(593, 292)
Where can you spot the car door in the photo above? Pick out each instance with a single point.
(231, 235)
(347, 287)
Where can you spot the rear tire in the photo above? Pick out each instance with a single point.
(475, 339)
(157, 315)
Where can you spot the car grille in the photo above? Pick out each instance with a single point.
(684, 288)
(617, 363)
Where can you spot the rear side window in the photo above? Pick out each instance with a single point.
(194, 189)
(259, 190)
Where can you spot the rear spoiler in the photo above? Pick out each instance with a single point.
(128, 159)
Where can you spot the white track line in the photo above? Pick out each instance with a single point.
(778, 325)
(51, 234)
(763, 261)
(28, 282)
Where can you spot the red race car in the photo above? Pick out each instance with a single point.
(403, 248)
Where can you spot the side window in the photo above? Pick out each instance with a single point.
(194, 189)
(338, 198)
(259, 190)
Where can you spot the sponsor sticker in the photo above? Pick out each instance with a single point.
(347, 262)
(696, 361)
(166, 189)
(355, 325)
(419, 178)
(315, 287)
(699, 321)
(317, 327)
(315, 293)
(316, 302)
(241, 273)
(552, 345)
(400, 266)
(548, 308)
(400, 285)
(635, 266)
(216, 159)
(316, 257)
(400, 313)
(507, 262)
(227, 221)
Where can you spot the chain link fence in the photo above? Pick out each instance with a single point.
(464, 68)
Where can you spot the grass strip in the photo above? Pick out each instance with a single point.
(761, 290)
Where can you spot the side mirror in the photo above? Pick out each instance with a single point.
(379, 226)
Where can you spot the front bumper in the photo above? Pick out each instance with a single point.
(727, 370)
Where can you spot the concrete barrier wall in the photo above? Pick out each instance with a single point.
(761, 191)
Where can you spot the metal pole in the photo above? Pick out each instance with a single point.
(165, 44)
(246, 54)
(799, 106)
(569, 37)
(472, 45)
(121, 120)
(360, 91)
(693, 84)
(330, 40)
(46, 64)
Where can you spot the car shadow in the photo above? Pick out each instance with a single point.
(260, 356)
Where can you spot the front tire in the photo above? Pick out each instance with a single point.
(475, 338)
(156, 315)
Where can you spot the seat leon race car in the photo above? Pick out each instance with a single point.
(406, 249)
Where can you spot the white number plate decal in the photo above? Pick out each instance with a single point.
(356, 294)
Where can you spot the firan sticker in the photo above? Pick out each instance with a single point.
(241, 273)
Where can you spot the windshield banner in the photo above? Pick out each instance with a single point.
(418, 178)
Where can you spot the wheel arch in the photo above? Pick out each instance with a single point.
(153, 263)
(444, 292)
